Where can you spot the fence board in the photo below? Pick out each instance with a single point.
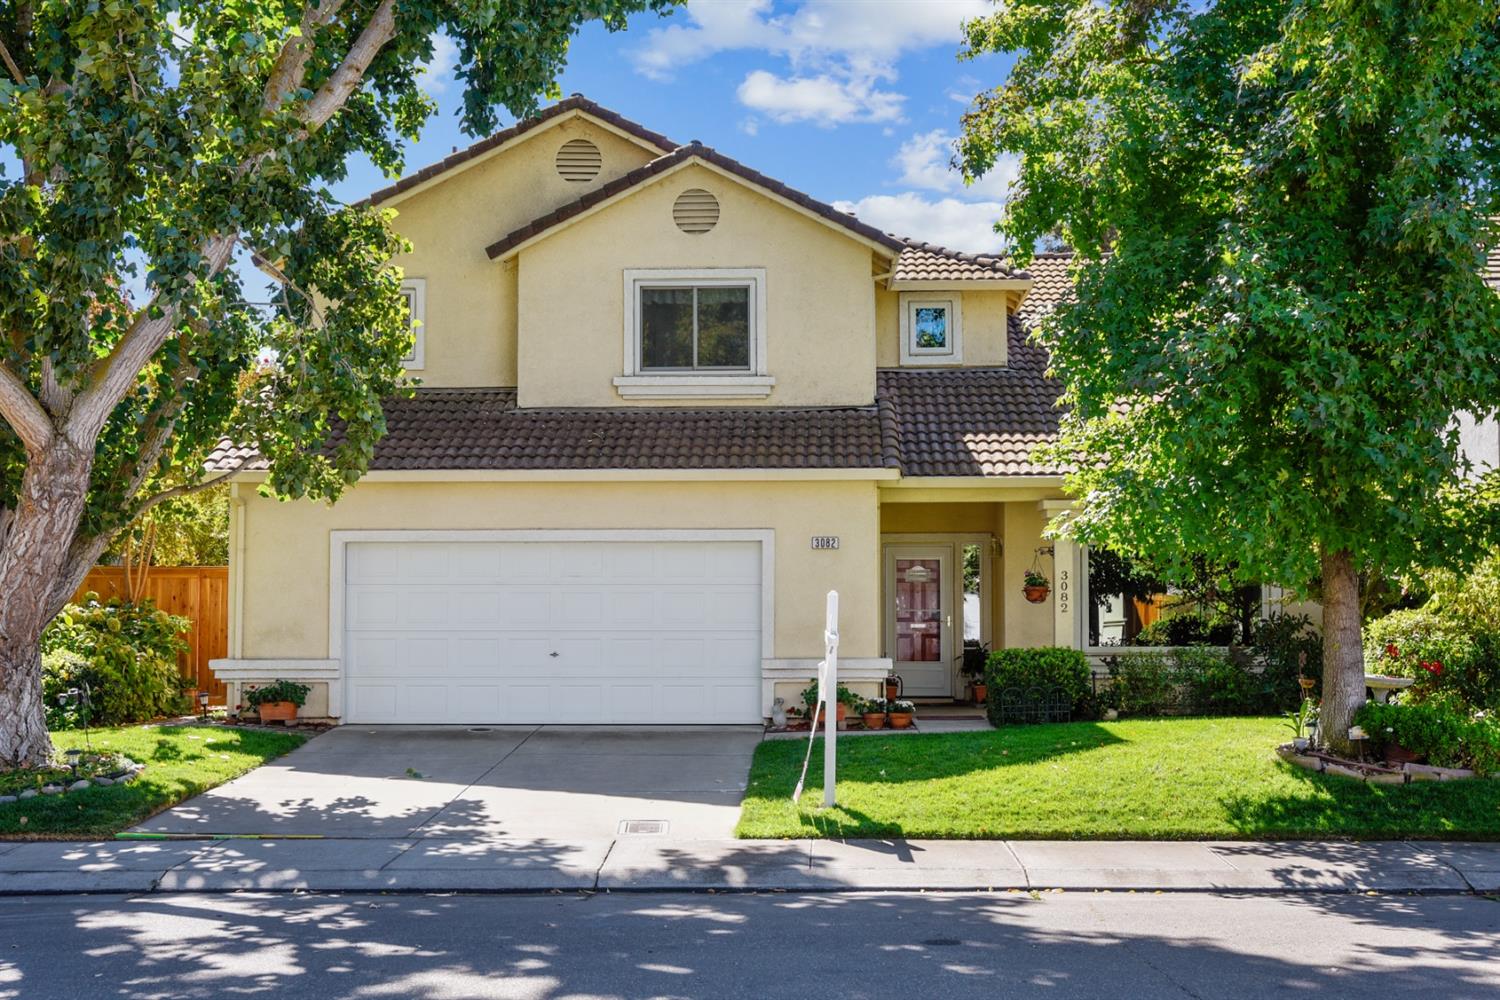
(198, 593)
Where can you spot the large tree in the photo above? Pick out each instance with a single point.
(159, 144)
(1280, 210)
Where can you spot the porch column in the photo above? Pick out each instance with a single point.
(1068, 584)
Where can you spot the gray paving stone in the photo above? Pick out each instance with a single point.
(1371, 865)
(653, 863)
(16, 883)
(105, 856)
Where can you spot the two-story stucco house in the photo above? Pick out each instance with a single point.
(666, 404)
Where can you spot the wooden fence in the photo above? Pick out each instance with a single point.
(198, 593)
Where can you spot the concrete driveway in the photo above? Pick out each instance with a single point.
(517, 783)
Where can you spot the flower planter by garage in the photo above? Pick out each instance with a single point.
(874, 720)
(901, 720)
(277, 711)
(839, 718)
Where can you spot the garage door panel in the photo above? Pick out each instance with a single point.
(464, 632)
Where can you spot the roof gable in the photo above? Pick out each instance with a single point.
(575, 106)
(679, 158)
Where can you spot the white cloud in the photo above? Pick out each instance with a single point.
(823, 100)
(437, 73)
(949, 222)
(839, 51)
(926, 162)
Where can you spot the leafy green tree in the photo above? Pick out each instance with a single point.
(1280, 210)
(158, 144)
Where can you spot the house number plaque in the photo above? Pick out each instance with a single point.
(825, 541)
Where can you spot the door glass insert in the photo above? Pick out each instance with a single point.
(919, 610)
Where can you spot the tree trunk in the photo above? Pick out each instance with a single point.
(33, 558)
(1343, 651)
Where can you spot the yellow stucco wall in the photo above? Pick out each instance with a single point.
(1024, 624)
(985, 331)
(819, 303)
(470, 323)
(286, 572)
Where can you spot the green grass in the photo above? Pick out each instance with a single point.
(181, 761)
(1152, 778)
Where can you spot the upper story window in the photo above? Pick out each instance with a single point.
(414, 293)
(931, 330)
(695, 333)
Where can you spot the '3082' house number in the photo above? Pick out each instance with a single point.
(825, 541)
(1064, 591)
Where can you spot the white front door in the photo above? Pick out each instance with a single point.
(553, 631)
(919, 617)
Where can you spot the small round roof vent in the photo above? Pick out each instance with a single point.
(695, 211)
(579, 160)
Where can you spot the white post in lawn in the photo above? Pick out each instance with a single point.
(830, 683)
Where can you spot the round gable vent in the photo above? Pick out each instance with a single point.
(578, 160)
(695, 211)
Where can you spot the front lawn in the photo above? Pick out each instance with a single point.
(181, 761)
(1149, 778)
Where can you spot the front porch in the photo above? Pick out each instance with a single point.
(953, 563)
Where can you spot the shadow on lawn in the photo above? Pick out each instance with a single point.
(1330, 805)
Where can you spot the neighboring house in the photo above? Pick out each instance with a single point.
(667, 403)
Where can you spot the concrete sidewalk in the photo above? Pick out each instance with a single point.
(646, 863)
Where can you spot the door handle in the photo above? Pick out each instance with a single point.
(553, 654)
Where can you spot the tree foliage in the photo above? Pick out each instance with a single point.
(150, 133)
(1280, 210)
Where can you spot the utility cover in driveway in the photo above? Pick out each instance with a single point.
(553, 632)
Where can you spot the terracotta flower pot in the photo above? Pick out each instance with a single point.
(874, 720)
(901, 720)
(981, 693)
(892, 690)
(843, 711)
(1036, 595)
(277, 711)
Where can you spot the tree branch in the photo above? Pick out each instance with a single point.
(291, 64)
(24, 414)
(188, 489)
(116, 372)
(10, 64)
(337, 88)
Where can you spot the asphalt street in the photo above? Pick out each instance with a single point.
(953, 946)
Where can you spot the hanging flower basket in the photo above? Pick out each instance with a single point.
(1036, 586)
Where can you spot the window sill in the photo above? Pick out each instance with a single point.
(694, 386)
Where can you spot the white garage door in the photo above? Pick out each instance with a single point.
(553, 631)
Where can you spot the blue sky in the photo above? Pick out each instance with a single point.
(855, 102)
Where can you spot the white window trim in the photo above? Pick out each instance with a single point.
(953, 354)
(417, 359)
(756, 382)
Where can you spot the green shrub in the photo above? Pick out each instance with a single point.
(1048, 668)
(1451, 657)
(1186, 629)
(1143, 683)
(1287, 645)
(1444, 734)
(1217, 685)
(125, 653)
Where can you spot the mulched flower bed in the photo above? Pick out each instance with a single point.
(1362, 770)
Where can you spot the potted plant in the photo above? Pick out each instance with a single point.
(278, 701)
(845, 699)
(976, 653)
(873, 712)
(901, 714)
(1300, 721)
(1036, 586)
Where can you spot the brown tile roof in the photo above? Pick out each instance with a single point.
(661, 164)
(576, 102)
(972, 421)
(929, 262)
(483, 429)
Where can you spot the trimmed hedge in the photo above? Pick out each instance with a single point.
(1447, 737)
(126, 653)
(1050, 668)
